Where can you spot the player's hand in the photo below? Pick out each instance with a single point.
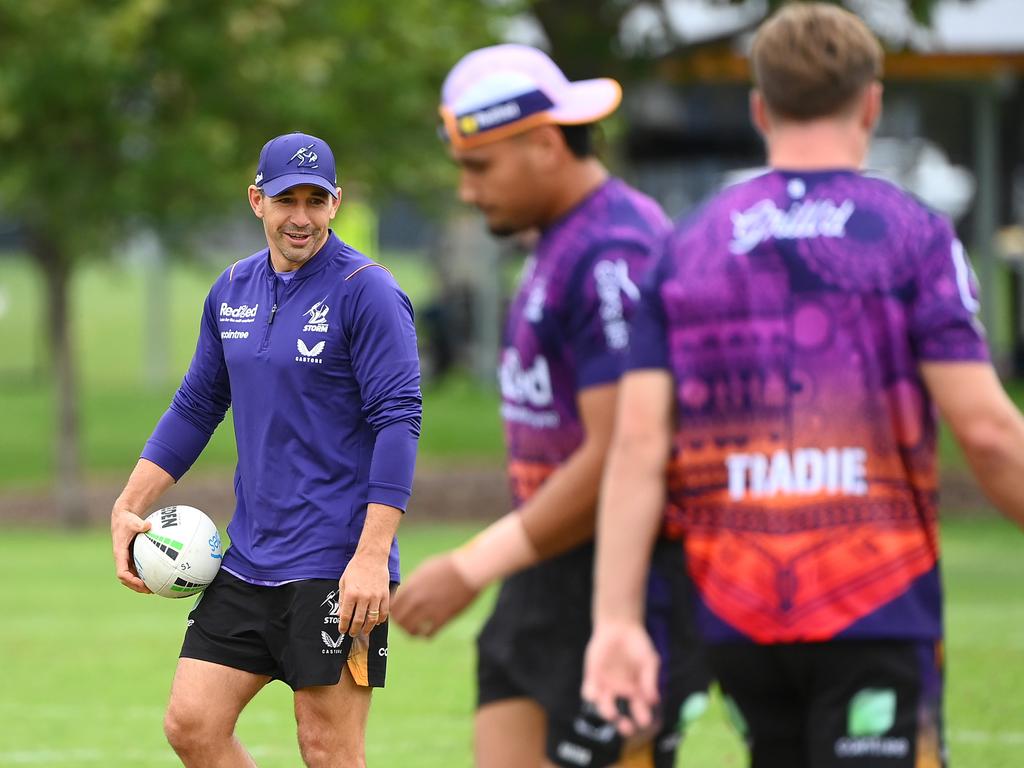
(432, 596)
(364, 594)
(620, 675)
(124, 526)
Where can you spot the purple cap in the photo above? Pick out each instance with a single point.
(501, 90)
(294, 159)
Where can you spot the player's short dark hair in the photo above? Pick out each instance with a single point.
(579, 139)
(812, 60)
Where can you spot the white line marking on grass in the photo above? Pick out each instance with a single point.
(51, 756)
(987, 737)
(16, 710)
(77, 711)
(56, 757)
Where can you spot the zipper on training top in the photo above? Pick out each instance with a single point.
(270, 320)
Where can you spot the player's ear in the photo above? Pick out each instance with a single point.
(548, 144)
(336, 202)
(256, 197)
(871, 106)
(759, 113)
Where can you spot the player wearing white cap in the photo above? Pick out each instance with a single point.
(519, 131)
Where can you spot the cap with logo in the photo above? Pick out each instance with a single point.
(295, 159)
(502, 90)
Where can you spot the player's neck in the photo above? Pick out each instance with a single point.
(819, 145)
(575, 185)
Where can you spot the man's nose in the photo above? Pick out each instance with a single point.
(300, 215)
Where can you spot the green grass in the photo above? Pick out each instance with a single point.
(113, 336)
(87, 664)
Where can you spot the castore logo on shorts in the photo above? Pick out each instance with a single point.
(333, 645)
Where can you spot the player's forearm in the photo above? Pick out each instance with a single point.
(987, 425)
(632, 502)
(393, 463)
(994, 449)
(145, 485)
(555, 519)
(562, 513)
(176, 441)
(379, 530)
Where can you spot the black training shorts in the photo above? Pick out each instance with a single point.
(532, 646)
(289, 633)
(840, 704)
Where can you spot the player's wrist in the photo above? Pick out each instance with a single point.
(499, 550)
(617, 611)
(125, 507)
(615, 623)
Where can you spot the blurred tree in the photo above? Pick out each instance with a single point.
(582, 33)
(119, 116)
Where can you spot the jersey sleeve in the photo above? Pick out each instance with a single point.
(199, 404)
(943, 320)
(601, 301)
(649, 329)
(386, 365)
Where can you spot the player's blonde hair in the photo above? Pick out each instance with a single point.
(811, 60)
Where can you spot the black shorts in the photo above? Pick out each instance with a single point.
(841, 704)
(532, 646)
(289, 633)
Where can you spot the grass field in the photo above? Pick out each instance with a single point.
(87, 664)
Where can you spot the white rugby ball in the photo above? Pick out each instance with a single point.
(180, 554)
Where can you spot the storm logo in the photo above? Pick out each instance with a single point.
(318, 312)
(306, 156)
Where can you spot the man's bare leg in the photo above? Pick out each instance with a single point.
(510, 734)
(331, 722)
(206, 700)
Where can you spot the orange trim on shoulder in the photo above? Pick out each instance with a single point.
(367, 266)
(231, 274)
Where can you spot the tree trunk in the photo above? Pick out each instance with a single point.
(68, 486)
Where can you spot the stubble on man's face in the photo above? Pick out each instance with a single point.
(296, 223)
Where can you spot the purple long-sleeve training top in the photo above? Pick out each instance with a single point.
(322, 375)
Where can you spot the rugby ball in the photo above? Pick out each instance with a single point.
(180, 554)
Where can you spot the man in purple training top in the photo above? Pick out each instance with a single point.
(313, 347)
(519, 132)
(787, 353)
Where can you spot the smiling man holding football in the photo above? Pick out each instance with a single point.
(313, 347)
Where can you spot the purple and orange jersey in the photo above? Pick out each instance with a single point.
(567, 327)
(793, 311)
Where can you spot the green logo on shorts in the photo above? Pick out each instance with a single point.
(696, 704)
(872, 712)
